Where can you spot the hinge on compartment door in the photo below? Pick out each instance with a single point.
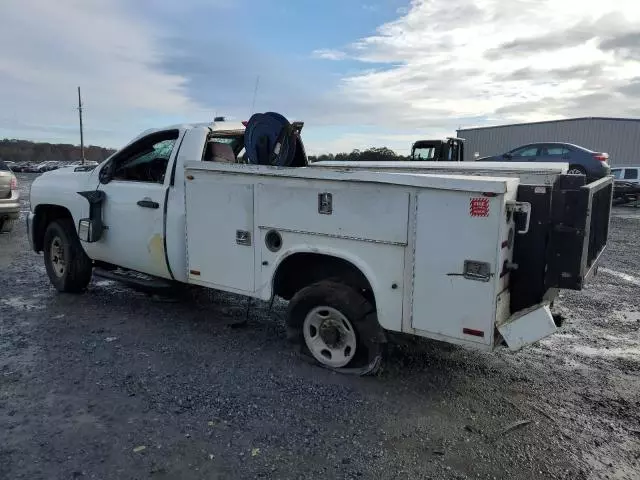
(521, 212)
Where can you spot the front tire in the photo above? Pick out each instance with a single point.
(68, 266)
(337, 326)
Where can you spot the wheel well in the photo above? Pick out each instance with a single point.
(44, 215)
(302, 269)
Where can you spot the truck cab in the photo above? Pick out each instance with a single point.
(450, 149)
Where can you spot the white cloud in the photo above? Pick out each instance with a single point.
(440, 65)
(478, 61)
(329, 54)
(49, 48)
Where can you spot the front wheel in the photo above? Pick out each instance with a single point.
(337, 326)
(68, 266)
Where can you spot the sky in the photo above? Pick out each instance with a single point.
(359, 73)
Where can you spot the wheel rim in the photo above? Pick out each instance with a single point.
(574, 171)
(329, 336)
(56, 256)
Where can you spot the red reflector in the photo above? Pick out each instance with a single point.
(14, 183)
(471, 331)
(603, 157)
(490, 194)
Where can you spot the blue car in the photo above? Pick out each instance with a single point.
(581, 161)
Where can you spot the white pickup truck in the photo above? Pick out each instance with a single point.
(457, 252)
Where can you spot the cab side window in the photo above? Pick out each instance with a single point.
(147, 159)
(630, 173)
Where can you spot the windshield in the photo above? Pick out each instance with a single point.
(617, 173)
(424, 153)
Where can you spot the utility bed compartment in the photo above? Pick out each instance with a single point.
(430, 246)
(350, 210)
(569, 221)
(458, 263)
(441, 252)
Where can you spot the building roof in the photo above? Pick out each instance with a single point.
(617, 119)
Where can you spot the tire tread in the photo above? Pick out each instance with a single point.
(79, 265)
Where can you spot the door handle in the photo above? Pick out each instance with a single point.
(148, 204)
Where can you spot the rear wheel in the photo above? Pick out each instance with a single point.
(337, 326)
(68, 266)
(576, 170)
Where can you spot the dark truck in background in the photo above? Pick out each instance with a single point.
(451, 149)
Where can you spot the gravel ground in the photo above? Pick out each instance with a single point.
(114, 384)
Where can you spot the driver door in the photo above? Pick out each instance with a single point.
(135, 184)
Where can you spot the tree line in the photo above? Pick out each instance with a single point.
(25, 151)
(375, 154)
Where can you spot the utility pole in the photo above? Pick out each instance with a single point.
(81, 132)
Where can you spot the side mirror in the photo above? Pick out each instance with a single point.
(507, 155)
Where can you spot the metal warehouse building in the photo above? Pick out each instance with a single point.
(619, 137)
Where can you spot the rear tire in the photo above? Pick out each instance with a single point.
(335, 325)
(576, 170)
(68, 266)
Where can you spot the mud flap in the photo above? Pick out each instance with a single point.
(528, 326)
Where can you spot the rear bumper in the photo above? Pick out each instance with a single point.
(599, 171)
(9, 209)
